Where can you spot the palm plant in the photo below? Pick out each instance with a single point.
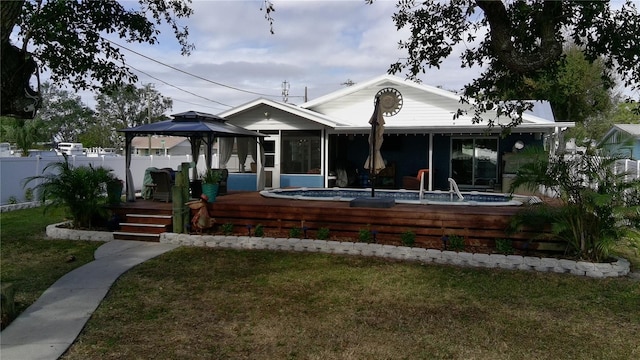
(598, 206)
(81, 190)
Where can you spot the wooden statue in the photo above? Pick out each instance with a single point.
(201, 220)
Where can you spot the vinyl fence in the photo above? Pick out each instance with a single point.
(14, 170)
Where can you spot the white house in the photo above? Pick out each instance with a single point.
(324, 142)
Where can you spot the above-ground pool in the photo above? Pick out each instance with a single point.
(400, 196)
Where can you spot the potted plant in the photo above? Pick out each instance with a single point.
(210, 183)
(114, 190)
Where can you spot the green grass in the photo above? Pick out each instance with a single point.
(195, 303)
(29, 260)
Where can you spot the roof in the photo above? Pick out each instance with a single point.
(192, 124)
(425, 108)
(631, 129)
(292, 109)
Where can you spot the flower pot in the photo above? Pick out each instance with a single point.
(211, 190)
(114, 192)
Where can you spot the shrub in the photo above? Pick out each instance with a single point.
(504, 246)
(364, 235)
(80, 190)
(456, 243)
(13, 200)
(28, 194)
(227, 228)
(598, 206)
(259, 231)
(323, 233)
(408, 238)
(295, 232)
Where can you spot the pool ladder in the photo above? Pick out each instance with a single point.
(453, 189)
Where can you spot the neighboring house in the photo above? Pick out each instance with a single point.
(624, 139)
(324, 141)
(161, 145)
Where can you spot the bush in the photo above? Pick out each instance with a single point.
(227, 229)
(295, 232)
(408, 238)
(456, 243)
(259, 231)
(599, 206)
(364, 235)
(323, 233)
(504, 246)
(80, 190)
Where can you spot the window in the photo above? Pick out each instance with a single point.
(301, 152)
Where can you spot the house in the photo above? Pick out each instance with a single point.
(624, 139)
(160, 145)
(324, 142)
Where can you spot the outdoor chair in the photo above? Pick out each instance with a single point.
(161, 185)
(413, 182)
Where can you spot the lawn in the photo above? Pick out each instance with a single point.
(31, 262)
(195, 303)
(198, 303)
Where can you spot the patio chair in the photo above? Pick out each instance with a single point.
(161, 185)
(413, 182)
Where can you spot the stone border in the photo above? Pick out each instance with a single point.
(62, 233)
(619, 268)
(20, 206)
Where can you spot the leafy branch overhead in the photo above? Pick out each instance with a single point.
(65, 37)
(516, 44)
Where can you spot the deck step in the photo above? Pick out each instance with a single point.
(150, 216)
(121, 235)
(144, 225)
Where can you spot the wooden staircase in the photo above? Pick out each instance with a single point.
(142, 226)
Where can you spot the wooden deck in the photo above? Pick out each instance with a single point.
(480, 226)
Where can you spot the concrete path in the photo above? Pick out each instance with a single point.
(50, 325)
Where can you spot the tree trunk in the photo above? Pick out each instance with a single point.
(17, 98)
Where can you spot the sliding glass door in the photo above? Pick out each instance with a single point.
(474, 162)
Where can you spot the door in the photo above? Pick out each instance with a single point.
(474, 162)
(272, 161)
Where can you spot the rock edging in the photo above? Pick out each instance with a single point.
(619, 268)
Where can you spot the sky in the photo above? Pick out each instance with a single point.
(317, 46)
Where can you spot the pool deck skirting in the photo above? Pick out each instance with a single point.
(619, 268)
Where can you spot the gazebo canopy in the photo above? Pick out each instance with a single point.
(192, 124)
(195, 126)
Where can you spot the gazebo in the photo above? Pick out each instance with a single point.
(198, 127)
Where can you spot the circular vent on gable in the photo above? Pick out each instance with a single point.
(390, 101)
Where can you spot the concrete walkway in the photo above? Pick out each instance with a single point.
(50, 325)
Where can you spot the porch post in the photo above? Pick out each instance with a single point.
(430, 162)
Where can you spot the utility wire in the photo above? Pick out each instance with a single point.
(173, 86)
(188, 73)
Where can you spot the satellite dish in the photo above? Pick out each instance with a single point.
(390, 101)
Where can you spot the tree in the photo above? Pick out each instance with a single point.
(63, 114)
(523, 40)
(128, 106)
(66, 38)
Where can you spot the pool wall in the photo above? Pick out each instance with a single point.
(400, 196)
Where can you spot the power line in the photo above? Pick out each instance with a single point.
(176, 87)
(188, 73)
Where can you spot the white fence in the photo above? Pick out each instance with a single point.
(14, 170)
(629, 167)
